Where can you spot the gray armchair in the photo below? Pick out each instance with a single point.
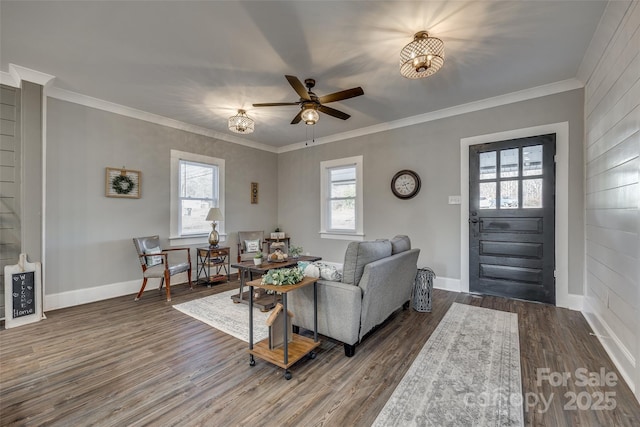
(155, 263)
(246, 253)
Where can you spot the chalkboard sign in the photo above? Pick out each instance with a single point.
(24, 295)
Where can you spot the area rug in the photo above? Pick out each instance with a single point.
(467, 374)
(220, 312)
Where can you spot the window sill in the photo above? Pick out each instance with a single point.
(196, 239)
(342, 236)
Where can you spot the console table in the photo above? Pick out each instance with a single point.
(290, 352)
(209, 257)
(264, 301)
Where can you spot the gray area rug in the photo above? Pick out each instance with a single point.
(467, 374)
(220, 312)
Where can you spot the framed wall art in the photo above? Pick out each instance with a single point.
(123, 183)
(254, 193)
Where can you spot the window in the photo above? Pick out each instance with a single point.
(341, 203)
(197, 184)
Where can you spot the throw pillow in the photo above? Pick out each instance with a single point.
(303, 264)
(400, 243)
(252, 245)
(328, 271)
(153, 260)
(312, 271)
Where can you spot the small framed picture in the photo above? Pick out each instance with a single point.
(122, 183)
(254, 193)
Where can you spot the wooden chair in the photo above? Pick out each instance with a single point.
(155, 263)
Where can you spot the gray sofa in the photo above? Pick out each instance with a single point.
(377, 280)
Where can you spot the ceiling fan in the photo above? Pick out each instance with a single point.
(310, 103)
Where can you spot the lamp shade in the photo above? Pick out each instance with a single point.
(215, 214)
(310, 116)
(423, 57)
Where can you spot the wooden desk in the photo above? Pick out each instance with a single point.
(218, 258)
(264, 301)
(300, 346)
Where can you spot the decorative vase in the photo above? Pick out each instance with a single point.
(257, 261)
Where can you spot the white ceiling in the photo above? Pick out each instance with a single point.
(198, 62)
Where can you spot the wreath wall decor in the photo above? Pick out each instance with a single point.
(123, 183)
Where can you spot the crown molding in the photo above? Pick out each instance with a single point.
(100, 104)
(509, 98)
(8, 80)
(17, 73)
(20, 74)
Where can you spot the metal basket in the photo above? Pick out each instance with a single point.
(422, 289)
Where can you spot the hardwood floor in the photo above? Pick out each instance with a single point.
(124, 363)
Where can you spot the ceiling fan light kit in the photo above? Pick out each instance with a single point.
(241, 123)
(422, 57)
(310, 103)
(310, 116)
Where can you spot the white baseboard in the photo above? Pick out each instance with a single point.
(571, 301)
(447, 284)
(97, 293)
(617, 351)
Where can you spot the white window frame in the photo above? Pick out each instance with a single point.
(325, 231)
(174, 237)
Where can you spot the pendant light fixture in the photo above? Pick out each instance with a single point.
(422, 57)
(241, 123)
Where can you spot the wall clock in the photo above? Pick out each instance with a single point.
(405, 184)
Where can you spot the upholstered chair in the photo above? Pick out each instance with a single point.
(155, 263)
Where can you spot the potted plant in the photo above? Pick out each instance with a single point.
(257, 258)
(295, 251)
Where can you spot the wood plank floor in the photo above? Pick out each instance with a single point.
(124, 363)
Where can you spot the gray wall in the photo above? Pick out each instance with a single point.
(612, 145)
(433, 150)
(88, 235)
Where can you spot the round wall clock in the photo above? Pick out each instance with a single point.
(405, 184)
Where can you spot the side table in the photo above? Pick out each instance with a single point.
(212, 260)
(290, 352)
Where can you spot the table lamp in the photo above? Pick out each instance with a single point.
(215, 214)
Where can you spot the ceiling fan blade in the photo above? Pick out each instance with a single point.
(297, 118)
(343, 94)
(298, 87)
(333, 112)
(275, 104)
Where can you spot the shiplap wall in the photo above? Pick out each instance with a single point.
(9, 182)
(611, 71)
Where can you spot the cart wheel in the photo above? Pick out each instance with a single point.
(312, 355)
(287, 375)
(252, 361)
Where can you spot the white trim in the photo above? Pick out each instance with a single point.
(358, 233)
(447, 284)
(200, 239)
(176, 156)
(496, 101)
(88, 101)
(8, 80)
(93, 294)
(20, 74)
(612, 345)
(563, 299)
(341, 236)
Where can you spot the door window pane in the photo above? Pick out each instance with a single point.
(487, 195)
(508, 194)
(509, 163)
(532, 193)
(488, 165)
(532, 160)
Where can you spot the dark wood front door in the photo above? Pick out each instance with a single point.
(512, 218)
